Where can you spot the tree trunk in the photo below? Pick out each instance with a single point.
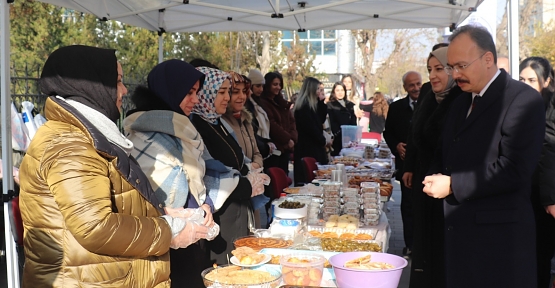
(264, 60)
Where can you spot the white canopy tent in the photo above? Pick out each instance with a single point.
(233, 15)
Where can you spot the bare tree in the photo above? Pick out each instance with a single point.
(366, 43)
(408, 53)
(527, 11)
(264, 59)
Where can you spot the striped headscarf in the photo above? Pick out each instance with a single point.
(213, 80)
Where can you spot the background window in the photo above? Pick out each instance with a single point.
(318, 42)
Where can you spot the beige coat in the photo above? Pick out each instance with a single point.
(245, 135)
(88, 210)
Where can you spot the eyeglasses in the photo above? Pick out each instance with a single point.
(458, 68)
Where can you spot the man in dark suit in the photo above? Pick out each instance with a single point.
(396, 131)
(490, 148)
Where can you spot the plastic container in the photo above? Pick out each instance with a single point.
(350, 134)
(302, 269)
(355, 278)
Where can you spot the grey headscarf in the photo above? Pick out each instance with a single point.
(441, 56)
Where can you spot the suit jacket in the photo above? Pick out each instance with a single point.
(490, 156)
(397, 128)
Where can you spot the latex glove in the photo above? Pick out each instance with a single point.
(179, 212)
(272, 147)
(191, 233)
(257, 182)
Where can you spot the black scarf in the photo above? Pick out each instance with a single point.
(84, 74)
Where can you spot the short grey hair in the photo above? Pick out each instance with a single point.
(407, 74)
(480, 36)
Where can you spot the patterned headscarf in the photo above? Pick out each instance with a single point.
(213, 80)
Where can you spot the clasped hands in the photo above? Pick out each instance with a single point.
(258, 180)
(193, 230)
(437, 186)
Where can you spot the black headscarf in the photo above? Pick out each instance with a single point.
(171, 80)
(84, 74)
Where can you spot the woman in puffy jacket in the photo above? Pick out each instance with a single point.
(90, 216)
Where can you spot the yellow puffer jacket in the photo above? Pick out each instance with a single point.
(90, 216)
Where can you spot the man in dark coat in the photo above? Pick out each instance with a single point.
(490, 148)
(396, 130)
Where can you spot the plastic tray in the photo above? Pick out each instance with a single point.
(366, 230)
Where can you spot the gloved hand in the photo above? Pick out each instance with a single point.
(202, 216)
(191, 233)
(258, 180)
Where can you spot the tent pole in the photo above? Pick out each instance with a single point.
(512, 35)
(161, 31)
(160, 47)
(12, 267)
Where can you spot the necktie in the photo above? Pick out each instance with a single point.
(413, 104)
(475, 102)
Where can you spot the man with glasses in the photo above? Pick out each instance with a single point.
(490, 146)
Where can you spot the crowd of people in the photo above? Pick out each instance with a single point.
(474, 149)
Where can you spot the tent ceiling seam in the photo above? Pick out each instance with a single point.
(434, 4)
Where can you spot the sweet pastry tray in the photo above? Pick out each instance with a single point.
(369, 231)
(258, 244)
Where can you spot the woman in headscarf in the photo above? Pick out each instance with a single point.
(89, 212)
(241, 121)
(427, 269)
(172, 154)
(234, 211)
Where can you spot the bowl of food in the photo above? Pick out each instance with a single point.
(302, 269)
(291, 210)
(367, 269)
(239, 277)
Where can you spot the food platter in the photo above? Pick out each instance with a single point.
(292, 190)
(260, 243)
(236, 261)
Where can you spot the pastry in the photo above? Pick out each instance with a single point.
(351, 226)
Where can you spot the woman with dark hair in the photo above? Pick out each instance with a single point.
(537, 72)
(341, 112)
(428, 265)
(91, 217)
(234, 213)
(283, 132)
(312, 142)
(352, 93)
(378, 112)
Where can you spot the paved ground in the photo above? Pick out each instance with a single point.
(396, 242)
